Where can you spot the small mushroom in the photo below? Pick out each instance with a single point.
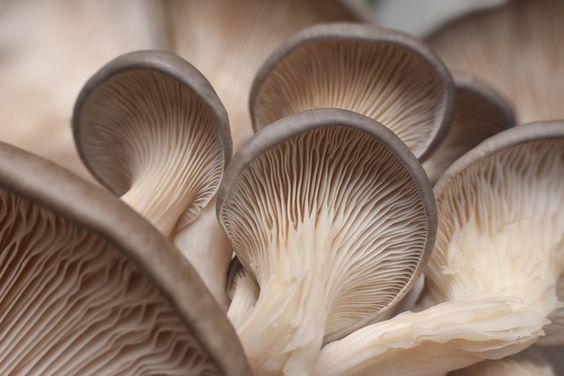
(91, 288)
(333, 217)
(228, 40)
(516, 49)
(526, 363)
(491, 282)
(150, 127)
(479, 113)
(385, 75)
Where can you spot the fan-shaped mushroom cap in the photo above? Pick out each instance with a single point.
(90, 288)
(228, 40)
(517, 49)
(385, 75)
(333, 216)
(150, 127)
(491, 280)
(479, 113)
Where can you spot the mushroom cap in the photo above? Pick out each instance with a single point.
(479, 113)
(383, 74)
(502, 205)
(515, 48)
(97, 265)
(149, 125)
(266, 193)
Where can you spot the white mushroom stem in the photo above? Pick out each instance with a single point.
(527, 363)
(207, 248)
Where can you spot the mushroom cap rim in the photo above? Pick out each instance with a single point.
(164, 63)
(366, 33)
(522, 134)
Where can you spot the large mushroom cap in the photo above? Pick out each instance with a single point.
(385, 75)
(150, 127)
(479, 113)
(503, 232)
(333, 216)
(90, 288)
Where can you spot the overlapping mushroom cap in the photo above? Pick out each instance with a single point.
(90, 288)
(385, 75)
(150, 127)
(228, 41)
(526, 363)
(516, 49)
(333, 216)
(479, 112)
(492, 280)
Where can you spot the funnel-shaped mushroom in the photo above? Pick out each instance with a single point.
(526, 363)
(385, 75)
(517, 49)
(90, 288)
(228, 40)
(333, 216)
(149, 126)
(479, 113)
(492, 278)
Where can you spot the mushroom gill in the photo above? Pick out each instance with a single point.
(82, 292)
(517, 49)
(479, 113)
(491, 282)
(228, 40)
(332, 216)
(385, 75)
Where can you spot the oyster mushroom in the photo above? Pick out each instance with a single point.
(48, 49)
(517, 49)
(479, 113)
(491, 282)
(526, 363)
(333, 217)
(90, 288)
(385, 75)
(228, 40)
(151, 129)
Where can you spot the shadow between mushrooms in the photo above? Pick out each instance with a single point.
(479, 113)
(90, 288)
(385, 75)
(150, 127)
(332, 216)
(492, 280)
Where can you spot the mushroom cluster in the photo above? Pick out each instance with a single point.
(369, 213)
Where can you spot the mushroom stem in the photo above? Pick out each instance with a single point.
(293, 299)
(207, 248)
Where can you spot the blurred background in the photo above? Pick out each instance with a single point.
(49, 48)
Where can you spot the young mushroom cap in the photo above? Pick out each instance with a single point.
(516, 49)
(333, 217)
(91, 288)
(479, 113)
(491, 282)
(228, 40)
(151, 129)
(385, 75)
